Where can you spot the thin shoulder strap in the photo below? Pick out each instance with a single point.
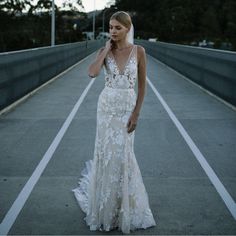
(136, 53)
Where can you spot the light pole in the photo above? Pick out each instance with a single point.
(94, 11)
(103, 17)
(53, 24)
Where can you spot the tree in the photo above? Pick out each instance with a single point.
(27, 24)
(184, 21)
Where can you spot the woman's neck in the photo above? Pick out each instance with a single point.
(122, 44)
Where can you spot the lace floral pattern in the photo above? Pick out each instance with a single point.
(111, 191)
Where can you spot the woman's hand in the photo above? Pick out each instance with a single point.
(110, 44)
(95, 67)
(132, 122)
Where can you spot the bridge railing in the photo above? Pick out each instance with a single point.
(213, 69)
(25, 70)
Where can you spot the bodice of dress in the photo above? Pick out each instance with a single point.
(126, 79)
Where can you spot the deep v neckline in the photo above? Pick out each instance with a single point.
(118, 68)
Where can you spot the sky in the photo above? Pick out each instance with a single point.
(89, 4)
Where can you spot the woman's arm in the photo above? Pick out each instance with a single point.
(141, 89)
(95, 67)
(141, 79)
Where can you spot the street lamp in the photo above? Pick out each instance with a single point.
(103, 16)
(94, 11)
(53, 24)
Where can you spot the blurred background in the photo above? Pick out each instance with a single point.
(26, 24)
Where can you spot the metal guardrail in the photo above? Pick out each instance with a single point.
(25, 70)
(213, 69)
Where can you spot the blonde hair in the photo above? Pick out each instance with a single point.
(123, 17)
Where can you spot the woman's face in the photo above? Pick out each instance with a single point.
(117, 30)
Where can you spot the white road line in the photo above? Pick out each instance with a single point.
(15, 209)
(201, 159)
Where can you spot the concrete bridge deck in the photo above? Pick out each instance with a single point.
(184, 144)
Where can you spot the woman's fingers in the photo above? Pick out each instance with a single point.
(128, 124)
(130, 130)
(131, 127)
(108, 44)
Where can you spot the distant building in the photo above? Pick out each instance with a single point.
(88, 35)
(206, 44)
(152, 39)
(103, 35)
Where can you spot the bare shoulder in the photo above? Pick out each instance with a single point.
(141, 53)
(140, 49)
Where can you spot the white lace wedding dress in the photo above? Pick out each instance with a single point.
(111, 191)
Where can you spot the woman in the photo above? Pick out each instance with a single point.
(111, 191)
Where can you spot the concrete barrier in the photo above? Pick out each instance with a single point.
(25, 70)
(213, 69)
